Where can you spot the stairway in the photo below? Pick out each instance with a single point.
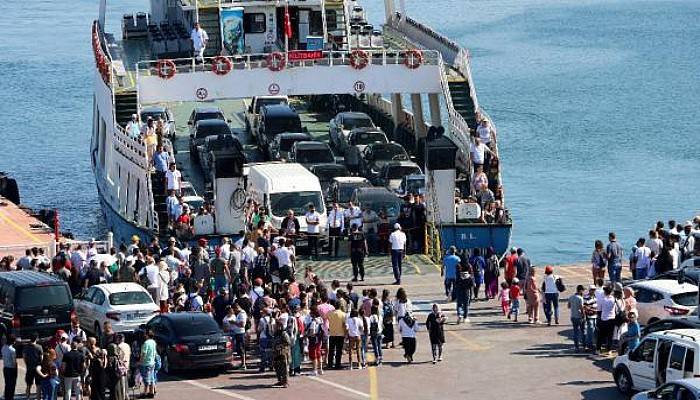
(461, 98)
(126, 105)
(209, 20)
(340, 33)
(159, 204)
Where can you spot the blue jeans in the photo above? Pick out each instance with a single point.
(265, 351)
(463, 306)
(614, 272)
(640, 273)
(579, 335)
(551, 300)
(514, 308)
(49, 389)
(396, 259)
(591, 327)
(377, 346)
(363, 349)
(449, 283)
(220, 282)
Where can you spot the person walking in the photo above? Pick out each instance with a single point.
(532, 298)
(358, 252)
(504, 297)
(599, 261)
(551, 296)
(314, 335)
(387, 319)
(449, 271)
(116, 373)
(514, 294)
(72, 370)
(575, 305)
(280, 353)
(436, 331)
(32, 355)
(199, 41)
(9, 367)
(376, 334)
(492, 273)
(463, 292)
(614, 253)
(478, 265)
(408, 328)
(398, 251)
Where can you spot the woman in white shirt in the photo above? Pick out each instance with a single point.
(408, 327)
(402, 306)
(355, 328)
(163, 286)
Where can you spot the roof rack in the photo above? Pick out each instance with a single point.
(680, 335)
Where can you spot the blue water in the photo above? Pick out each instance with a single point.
(595, 104)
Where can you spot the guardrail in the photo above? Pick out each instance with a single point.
(132, 149)
(263, 60)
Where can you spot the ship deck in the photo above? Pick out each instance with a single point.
(20, 231)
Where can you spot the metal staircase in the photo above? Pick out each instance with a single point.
(160, 208)
(125, 104)
(461, 98)
(336, 12)
(209, 20)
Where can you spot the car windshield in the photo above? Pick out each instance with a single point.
(357, 122)
(391, 208)
(345, 193)
(296, 201)
(278, 125)
(213, 129)
(42, 296)
(287, 143)
(398, 172)
(415, 185)
(267, 102)
(326, 174)
(364, 138)
(389, 153)
(686, 299)
(188, 191)
(128, 298)
(196, 326)
(209, 115)
(314, 156)
(153, 115)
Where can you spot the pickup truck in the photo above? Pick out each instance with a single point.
(252, 110)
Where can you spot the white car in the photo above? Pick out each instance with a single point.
(683, 389)
(126, 305)
(660, 357)
(339, 127)
(190, 196)
(659, 299)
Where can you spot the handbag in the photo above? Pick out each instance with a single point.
(620, 315)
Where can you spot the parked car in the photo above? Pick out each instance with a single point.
(219, 145)
(276, 119)
(375, 155)
(682, 389)
(204, 113)
(342, 188)
(326, 173)
(392, 173)
(659, 299)
(126, 305)
(204, 129)
(252, 110)
(156, 112)
(339, 127)
(666, 324)
(689, 274)
(411, 184)
(190, 340)
(282, 144)
(358, 139)
(691, 262)
(378, 199)
(310, 153)
(190, 196)
(34, 302)
(660, 357)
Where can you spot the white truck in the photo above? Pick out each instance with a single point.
(252, 110)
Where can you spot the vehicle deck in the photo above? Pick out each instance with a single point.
(20, 231)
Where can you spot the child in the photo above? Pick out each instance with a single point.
(514, 293)
(633, 332)
(504, 296)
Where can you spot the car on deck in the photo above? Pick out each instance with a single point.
(326, 173)
(252, 110)
(282, 144)
(309, 153)
(164, 113)
(358, 139)
(189, 341)
(682, 389)
(220, 145)
(203, 113)
(273, 120)
(412, 184)
(339, 127)
(342, 188)
(659, 299)
(376, 155)
(378, 199)
(392, 173)
(190, 196)
(204, 129)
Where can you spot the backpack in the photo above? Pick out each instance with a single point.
(560, 285)
(313, 332)
(258, 306)
(144, 281)
(120, 367)
(388, 310)
(409, 320)
(374, 327)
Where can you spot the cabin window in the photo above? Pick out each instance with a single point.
(254, 23)
(331, 20)
(316, 23)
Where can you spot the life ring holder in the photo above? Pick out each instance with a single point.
(359, 59)
(276, 61)
(221, 65)
(165, 69)
(413, 59)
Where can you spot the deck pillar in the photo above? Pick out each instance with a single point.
(418, 118)
(435, 118)
(396, 109)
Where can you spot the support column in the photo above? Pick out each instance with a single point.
(388, 9)
(396, 108)
(418, 118)
(434, 101)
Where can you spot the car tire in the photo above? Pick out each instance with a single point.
(623, 380)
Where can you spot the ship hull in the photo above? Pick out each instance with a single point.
(481, 236)
(122, 229)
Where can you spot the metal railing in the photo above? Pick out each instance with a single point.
(262, 60)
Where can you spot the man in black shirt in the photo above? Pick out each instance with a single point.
(72, 368)
(358, 251)
(32, 354)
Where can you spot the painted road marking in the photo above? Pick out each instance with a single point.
(341, 387)
(372, 371)
(470, 345)
(412, 264)
(25, 232)
(222, 392)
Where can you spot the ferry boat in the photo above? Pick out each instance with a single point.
(317, 58)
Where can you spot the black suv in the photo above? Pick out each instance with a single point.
(34, 302)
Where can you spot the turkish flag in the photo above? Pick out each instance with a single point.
(287, 23)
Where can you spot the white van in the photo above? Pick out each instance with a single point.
(286, 186)
(659, 358)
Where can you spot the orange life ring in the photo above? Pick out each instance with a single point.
(359, 59)
(165, 69)
(276, 61)
(221, 65)
(413, 59)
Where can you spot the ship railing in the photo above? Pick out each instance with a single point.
(132, 149)
(102, 246)
(310, 59)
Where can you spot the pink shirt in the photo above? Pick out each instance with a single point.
(324, 309)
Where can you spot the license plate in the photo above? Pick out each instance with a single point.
(210, 347)
(130, 316)
(46, 320)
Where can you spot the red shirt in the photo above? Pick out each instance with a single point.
(514, 292)
(510, 266)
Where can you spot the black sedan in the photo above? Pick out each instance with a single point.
(190, 340)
